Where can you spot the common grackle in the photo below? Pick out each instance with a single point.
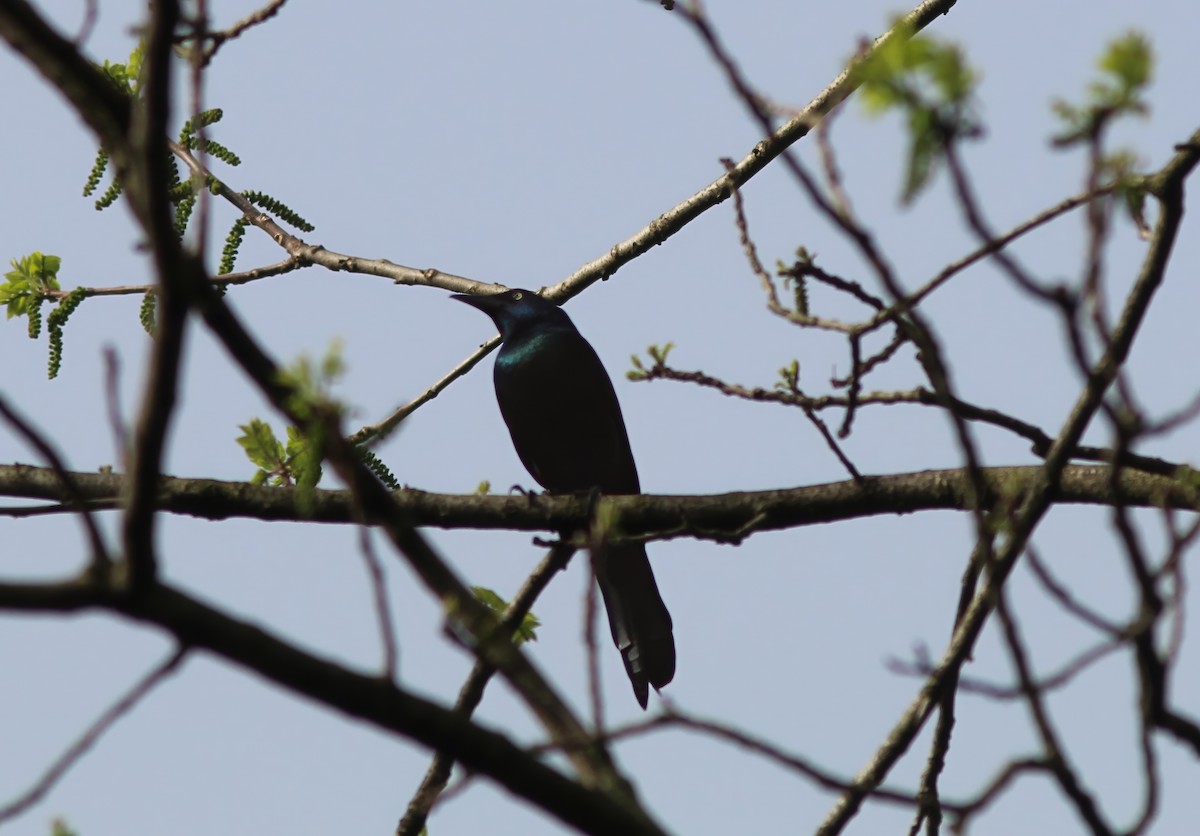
(566, 424)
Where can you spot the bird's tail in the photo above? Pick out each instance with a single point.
(640, 623)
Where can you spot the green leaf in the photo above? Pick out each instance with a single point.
(1126, 69)
(125, 76)
(789, 378)
(59, 827)
(26, 284)
(298, 462)
(49, 267)
(658, 353)
(1129, 60)
(526, 632)
(262, 447)
(134, 64)
(304, 454)
(932, 84)
(924, 148)
(312, 381)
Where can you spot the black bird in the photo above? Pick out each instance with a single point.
(566, 424)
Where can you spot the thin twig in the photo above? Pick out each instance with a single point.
(433, 785)
(112, 398)
(225, 279)
(1056, 756)
(383, 609)
(1067, 601)
(990, 246)
(72, 497)
(90, 737)
(213, 41)
(672, 716)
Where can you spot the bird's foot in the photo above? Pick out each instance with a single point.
(525, 492)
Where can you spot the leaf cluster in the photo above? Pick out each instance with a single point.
(298, 462)
(525, 632)
(25, 287)
(789, 378)
(126, 77)
(183, 192)
(1126, 70)
(658, 354)
(278, 463)
(28, 285)
(930, 83)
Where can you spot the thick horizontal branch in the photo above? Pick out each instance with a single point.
(728, 517)
(373, 699)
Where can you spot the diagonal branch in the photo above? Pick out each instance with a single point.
(90, 737)
(65, 484)
(367, 697)
(676, 218)
(1037, 496)
(471, 694)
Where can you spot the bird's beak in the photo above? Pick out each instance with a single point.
(486, 303)
(491, 304)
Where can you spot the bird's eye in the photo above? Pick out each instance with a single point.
(516, 296)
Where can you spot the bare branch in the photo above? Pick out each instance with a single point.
(433, 785)
(1036, 497)
(1056, 756)
(213, 41)
(383, 610)
(63, 483)
(370, 698)
(723, 517)
(90, 737)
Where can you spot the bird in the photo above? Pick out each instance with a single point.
(566, 425)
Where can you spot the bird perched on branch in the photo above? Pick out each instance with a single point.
(566, 425)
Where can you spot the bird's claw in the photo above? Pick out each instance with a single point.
(525, 492)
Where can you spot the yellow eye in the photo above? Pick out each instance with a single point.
(516, 295)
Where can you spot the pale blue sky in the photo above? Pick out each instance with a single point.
(513, 142)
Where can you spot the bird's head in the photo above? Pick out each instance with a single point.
(517, 309)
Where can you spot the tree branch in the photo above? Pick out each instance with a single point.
(1038, 494)
(412, 823)
(369, 698)
(90, 737)
(720, 517)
